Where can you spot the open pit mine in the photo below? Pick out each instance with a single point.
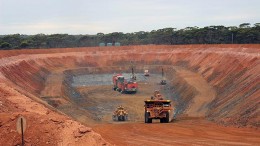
(66, 95)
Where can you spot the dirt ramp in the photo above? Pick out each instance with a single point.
(194, 93)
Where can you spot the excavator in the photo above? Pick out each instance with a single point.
(133, 76)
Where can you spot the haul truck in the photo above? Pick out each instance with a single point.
(157, 108)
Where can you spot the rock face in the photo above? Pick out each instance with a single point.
(232, 71)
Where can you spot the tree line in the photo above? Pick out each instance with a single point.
(243, 34)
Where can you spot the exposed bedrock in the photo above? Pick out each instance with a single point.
(219, 82)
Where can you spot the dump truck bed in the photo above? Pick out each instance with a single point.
(157, 101)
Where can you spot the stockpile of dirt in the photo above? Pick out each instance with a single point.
(44, 126)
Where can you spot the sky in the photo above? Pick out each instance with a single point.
(107, 16)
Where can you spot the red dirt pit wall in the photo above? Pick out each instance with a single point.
(233, 71)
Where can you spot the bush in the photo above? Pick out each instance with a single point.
(24, 44)
(5, 45)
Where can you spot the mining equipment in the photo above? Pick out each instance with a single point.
(157, 108)
(133, 76)
(124, 86)
(146, 72)
(120, 114)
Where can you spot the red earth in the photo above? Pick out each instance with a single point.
(215, 90)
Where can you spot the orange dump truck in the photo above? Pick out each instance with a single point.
(157, 108)
(120, 114)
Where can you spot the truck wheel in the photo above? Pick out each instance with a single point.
(120, 118)
(114, 88)
(146, 117)
(114, 117)
(162, 120)
(167, 119)
(150, 120)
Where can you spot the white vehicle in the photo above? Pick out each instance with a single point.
(146, 72)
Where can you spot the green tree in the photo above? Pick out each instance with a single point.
(244, 25)
(5, 45)
(24, 44)
(38, 41)
(190, 35)
(257, 24)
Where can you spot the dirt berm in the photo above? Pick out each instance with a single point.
(214, 89)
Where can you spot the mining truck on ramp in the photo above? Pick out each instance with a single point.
(157, 108)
